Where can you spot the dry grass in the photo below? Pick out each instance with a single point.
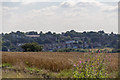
(51, 61)
(56, 61)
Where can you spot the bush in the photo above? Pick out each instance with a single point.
(4, 48)
(116, 51)
(92, 67)
(31, 47)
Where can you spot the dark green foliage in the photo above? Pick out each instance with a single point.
(31, 33)
(4, 48)
(31, 47)
(116, 50)
(65, 50)
(83, 40)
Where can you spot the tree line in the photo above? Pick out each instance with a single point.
(14, 40)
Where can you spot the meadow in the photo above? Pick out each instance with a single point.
(52, 64)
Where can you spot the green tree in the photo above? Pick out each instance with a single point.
(4, 48)
(32, 33)
(31, 47)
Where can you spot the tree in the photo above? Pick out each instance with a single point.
(31, 47)
(101, 32)
(48, 33)
(80, 42)
(20, 33)
(32, 33)
(41, 33)
(4, 48)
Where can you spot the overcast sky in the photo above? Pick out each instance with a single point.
(78, 15)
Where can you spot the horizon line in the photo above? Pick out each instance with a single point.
(61, 31)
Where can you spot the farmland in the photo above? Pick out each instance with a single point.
(48, 64)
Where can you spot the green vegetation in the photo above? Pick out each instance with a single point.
(65, 42)
(95, 50)
(92, 67)
(32, 69)
(6, 65)
(31, 47)
(65, 74)
(60, 65)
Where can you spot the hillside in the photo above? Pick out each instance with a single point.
(71, 40)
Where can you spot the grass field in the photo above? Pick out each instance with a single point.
(48, 64)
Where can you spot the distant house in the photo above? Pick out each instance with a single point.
(33, 36)
(75, 47)
(71, 41)
(20, 44)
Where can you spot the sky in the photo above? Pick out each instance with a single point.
(60, 16)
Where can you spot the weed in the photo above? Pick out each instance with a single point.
(92, 67)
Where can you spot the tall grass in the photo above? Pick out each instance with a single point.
(60, 61)
(46, 60)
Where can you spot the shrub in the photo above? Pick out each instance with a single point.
(31, 47)
(92, 67)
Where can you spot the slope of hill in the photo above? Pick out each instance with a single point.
(71, 40)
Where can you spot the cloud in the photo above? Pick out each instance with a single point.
(49, 11)
(9, 11)
(32, 0)
(86, 4)
(10, 8)
(65, 16)
(57, 0)
(68, 4)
